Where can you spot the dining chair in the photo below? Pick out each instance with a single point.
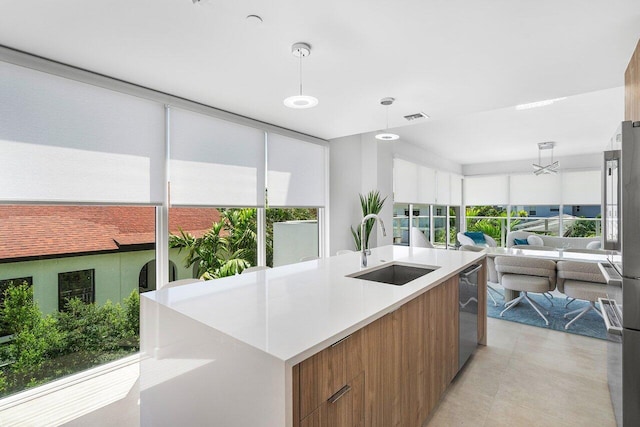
(526, 275)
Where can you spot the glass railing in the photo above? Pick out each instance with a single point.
(498, 227)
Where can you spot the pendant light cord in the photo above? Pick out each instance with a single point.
(300, 68)
(387, 117)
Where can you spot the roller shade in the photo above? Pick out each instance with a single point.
(413, 183)
(443, 188)
(405, 182)
(456, 190)
(530, 189)
(295, 172)
(66, 141)
(486, 190)
(215, 162)
(582, 187)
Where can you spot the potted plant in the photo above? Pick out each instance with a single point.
(371, 204)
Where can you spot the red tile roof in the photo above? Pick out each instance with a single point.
(34, 231)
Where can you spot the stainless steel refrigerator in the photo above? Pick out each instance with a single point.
(621, 203)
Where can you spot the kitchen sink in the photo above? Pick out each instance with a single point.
(394, 273)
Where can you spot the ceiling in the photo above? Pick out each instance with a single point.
(461, 62)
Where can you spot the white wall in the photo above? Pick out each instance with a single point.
(360, 164)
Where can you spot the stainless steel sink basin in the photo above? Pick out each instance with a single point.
(394, 274)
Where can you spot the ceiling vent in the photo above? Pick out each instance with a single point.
(416, 116)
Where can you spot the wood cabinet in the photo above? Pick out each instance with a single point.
(632, 87)
(324, 374)
(395, 369)
(343, 409)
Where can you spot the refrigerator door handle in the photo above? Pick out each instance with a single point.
(609, 314)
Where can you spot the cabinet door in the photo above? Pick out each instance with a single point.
(382, 361)
(344, 409)
(323, 374)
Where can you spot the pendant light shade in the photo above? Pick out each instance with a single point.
(386, 136)
(300, 50)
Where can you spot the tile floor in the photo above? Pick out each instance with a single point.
(526, 376)
(529, 376)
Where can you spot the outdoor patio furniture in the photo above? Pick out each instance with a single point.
(466, 240)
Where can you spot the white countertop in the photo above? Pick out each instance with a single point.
(292, 312)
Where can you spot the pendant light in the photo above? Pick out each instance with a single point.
(552, 167)
(386, 136)
(301, 50)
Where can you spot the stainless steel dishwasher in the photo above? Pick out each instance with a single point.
(468, 313)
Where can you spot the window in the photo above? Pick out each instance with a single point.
(454, 220)
(540, 219)
(401, 224)
(147, 278)
(76, 284)
(490, 220)
(90, 255)
(423, 220)
(292, 235)
(213, 242)
(4, 285)
(440, 226)
(582, 221)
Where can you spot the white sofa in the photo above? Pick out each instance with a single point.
(555, 241)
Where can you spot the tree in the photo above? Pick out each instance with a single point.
(230, 245)
(34, 337)
(581, 228)
(43, 348)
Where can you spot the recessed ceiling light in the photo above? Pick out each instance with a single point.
(538, 103)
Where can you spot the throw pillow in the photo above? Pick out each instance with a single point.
(476, 236)
(520, 242)
(535, 240)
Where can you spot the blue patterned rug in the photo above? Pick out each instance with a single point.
(590, 325)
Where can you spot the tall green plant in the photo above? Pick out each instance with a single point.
(370, 204)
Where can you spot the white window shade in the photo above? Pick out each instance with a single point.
(215, 162)
(405, 181)
(443, 188)
(486, 190)
(426, 185)
(530, 189)
(582, 187)
(66, 141)
(295, 172)
(456, 190)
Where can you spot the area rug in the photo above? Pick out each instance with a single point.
(590, 325)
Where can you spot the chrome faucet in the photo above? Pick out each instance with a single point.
(362, 237)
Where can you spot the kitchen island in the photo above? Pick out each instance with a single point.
(305, 345)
